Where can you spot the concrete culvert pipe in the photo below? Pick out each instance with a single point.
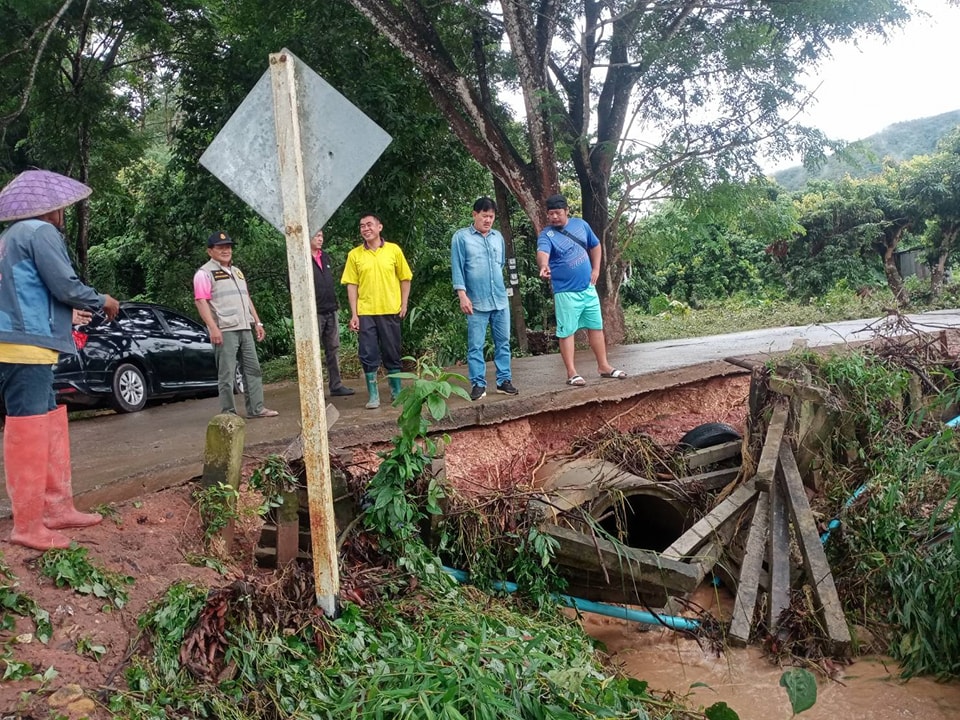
(642, 518)
(640, 513)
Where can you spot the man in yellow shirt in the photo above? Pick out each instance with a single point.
(377, 277)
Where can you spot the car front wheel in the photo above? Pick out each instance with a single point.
(129, 389)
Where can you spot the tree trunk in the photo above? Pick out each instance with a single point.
(83, 207)
(611, 264)
(513, 278)
(939, 270)
(891, 241)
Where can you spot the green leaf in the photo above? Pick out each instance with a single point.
(801, 688)
(720, 711)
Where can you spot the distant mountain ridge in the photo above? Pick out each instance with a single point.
(900, 141)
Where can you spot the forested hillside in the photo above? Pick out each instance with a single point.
(900, 141)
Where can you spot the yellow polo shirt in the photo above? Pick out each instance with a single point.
(377, 275)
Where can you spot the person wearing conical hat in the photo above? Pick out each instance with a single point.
(39, 291)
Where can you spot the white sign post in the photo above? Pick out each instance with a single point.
(293, 150)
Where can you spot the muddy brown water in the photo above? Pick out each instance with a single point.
(868, 689)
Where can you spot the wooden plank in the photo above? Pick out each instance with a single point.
(710, 455)
(709, 480)
(778, 558)
(288, 528)
(814, 559)
(266, 557)
(580, 551)
(767, 466)
(746, 602)
(704, 529)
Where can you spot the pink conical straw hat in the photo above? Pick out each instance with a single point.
(36, 192)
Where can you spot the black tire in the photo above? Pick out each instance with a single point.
(708, 435)
(129, 389)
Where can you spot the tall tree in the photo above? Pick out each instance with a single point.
(637, 99)
(932, 185)
(898, 216)
(70, 82)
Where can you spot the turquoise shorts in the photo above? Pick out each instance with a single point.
(577, 310)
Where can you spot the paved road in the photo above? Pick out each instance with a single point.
(117, 457)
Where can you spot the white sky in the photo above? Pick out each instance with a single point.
(864, 89)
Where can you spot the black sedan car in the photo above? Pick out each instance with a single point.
(148, 352)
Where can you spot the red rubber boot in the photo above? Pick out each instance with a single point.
(25, 452)
(59, 510)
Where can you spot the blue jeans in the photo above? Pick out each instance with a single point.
(27, 389)
(499, 322)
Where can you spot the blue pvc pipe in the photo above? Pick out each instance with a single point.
(835, 523)
(616, 611)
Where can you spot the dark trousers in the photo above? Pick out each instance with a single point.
(379, 341)
(330, 339)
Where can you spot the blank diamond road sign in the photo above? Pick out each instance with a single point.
(339, 144)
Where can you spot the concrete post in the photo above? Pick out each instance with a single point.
(223, 459)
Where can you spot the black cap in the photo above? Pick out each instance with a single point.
(556, 202)
(219, 238)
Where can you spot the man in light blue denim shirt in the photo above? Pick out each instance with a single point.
(477, 256)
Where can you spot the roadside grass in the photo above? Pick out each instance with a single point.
(750, 313)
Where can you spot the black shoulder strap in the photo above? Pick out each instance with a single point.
(581, 243)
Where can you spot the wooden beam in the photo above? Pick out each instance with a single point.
(705, 529)
(814, 559)
(778, 559)
(709, 480)
(710, 455)
(745, 604)
(767, 466)
(313, 420)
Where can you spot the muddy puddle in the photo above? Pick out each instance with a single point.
(868, 689)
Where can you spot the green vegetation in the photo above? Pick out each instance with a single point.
(745, 313)
(893, 478)
(450, 654)
(13, 602)
(217, 505)
(71, 568)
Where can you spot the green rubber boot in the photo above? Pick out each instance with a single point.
(394, 387)
(373, 391)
